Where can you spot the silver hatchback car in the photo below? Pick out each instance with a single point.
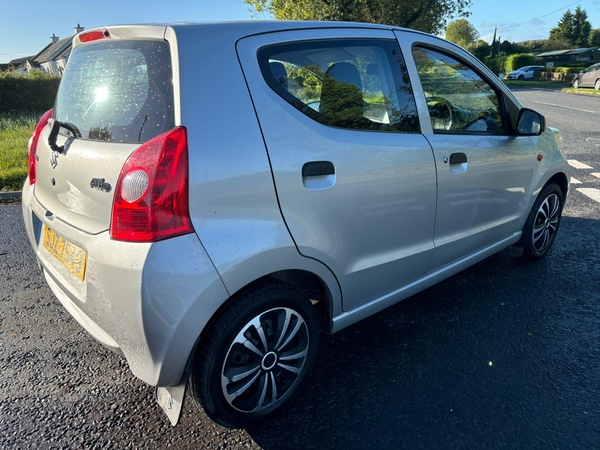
(205, 198)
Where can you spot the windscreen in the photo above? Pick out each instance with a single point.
(118, 91)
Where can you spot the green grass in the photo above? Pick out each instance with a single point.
(541, 84)
(591, 91)
(15, 131)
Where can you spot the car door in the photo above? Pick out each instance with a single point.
(355, 179)
(484, 171)
(588, 77)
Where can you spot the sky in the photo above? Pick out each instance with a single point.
(26, 25)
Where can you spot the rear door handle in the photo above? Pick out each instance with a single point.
(317, 169)
(458, 158)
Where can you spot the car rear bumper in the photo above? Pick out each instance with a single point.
(147, 301)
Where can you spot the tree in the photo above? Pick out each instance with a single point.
(581, 28)
(425, 15)
(594, 38)
(461, 32)
(573, 27)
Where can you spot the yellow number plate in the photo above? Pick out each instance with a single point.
(70, 255)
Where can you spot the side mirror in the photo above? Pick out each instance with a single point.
(530, 123)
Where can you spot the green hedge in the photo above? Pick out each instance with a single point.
(563, 69)
(514, 62)
(33, 92)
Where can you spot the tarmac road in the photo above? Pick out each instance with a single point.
(503, 355)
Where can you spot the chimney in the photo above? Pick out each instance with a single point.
(53, 38)
(78, 29)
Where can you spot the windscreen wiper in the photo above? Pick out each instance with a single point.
(54, 134)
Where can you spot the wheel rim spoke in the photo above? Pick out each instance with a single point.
(296, 355)
(265, 360)
(233, 395)
(289, 368)
(273, 387)
(291, 335)
(241, 373)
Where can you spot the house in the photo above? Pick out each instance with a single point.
(53, 58)
(23, 64)
(579, 56)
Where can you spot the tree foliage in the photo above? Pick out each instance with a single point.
(573, 28)
(426, 15)
(594, 38)
(461, 32)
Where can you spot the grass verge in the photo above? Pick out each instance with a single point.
(592, 92)
(540, 84)
(15, 131)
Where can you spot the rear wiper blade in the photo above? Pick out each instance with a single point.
(54, 134)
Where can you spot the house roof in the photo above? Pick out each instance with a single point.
(20, 61)
(49, 51)
(576, 51)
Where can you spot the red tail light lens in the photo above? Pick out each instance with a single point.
(151, 197)
(94, 35)
(33, 142)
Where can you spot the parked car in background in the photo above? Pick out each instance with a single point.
(204, 198)
(589, 77)
(524, 73)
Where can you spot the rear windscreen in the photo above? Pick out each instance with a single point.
(118, 91)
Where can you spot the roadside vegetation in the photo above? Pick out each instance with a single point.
(582, 91)
(15, 131)
(23, 99)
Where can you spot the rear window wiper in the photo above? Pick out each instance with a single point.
(54, 134)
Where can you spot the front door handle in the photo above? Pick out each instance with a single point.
(458, 158)
(317, 169)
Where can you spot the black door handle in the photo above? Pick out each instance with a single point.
(458, 158)
(318, 168)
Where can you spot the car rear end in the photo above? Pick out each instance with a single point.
(106, 201)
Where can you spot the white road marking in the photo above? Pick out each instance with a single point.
(575, 181)
(577, 164)
(597, 175)
(594, 194)
(567, 107)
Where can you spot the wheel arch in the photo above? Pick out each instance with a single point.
(307, 282)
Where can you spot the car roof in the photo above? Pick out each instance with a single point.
(243, 28)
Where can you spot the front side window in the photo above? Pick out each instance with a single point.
(361, 85)
(458, 99)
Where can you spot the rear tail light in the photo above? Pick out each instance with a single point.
(151, 197)
(33, 142)
(94, 35)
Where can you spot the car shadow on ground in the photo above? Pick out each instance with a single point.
(502, 355)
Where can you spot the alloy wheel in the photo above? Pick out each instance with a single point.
(265, 360)
(546, 223)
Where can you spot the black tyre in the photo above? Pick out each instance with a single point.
(521, 77)
(543, 222)
(597, 85)
(256, 355)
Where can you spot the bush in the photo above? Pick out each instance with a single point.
(495, 64)
(34, 92)
(514, 62)
(575, 69)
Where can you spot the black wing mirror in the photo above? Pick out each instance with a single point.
(530, 123)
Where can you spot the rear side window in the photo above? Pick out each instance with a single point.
(118, 91)
(355, 84)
